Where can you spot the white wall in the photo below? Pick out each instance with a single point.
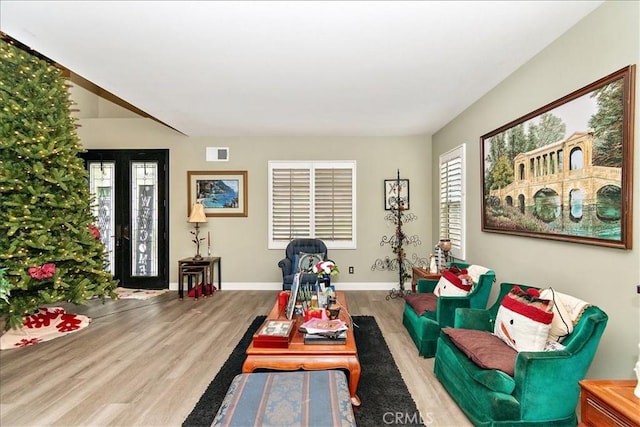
(600, 44)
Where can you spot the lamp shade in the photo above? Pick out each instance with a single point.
(197, 213)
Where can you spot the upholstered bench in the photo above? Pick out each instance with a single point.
(300, 398)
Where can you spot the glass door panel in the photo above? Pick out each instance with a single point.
(102, 186)
(144, 215)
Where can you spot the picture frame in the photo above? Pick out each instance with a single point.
(223, 193)
(293, 297)
(276, 328)
(565, 171)
(395, 191)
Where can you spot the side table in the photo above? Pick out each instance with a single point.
(609, 403)
(421, 273)
(192, 266)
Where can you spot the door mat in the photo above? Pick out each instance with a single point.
(142, 294)
(48, 323)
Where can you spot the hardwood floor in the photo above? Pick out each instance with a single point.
(146, 363)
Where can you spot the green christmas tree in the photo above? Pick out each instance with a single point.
(49, 248)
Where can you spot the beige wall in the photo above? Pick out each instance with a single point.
(242, 242)
(600, 44)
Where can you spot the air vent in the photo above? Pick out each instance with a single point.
(217, 154)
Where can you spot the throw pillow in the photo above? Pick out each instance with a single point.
(524, 320)
(475, 271)
(307, 261)
(452, 286)
(561, 325)
(422, 302)
(485, 349)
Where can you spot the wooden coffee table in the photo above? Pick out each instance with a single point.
(309, 356)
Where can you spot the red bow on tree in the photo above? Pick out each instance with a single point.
(44, 272)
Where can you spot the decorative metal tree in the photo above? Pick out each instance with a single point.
(399, 262)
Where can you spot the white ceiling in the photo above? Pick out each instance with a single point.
(262, 68)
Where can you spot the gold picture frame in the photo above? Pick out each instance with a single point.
(223, 193)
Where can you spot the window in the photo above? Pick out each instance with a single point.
(452, 202)
(312, 199)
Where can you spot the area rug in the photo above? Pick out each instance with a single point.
(381, 389)
(142, 294)
(48, 323)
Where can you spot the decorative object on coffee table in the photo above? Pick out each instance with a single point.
(397, 201)
(274, 334)
(324, 270)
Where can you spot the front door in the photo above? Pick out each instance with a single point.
(130, 190)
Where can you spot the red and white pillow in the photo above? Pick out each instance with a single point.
(453, 285)
(524, 320)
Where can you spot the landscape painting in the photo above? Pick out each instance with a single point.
(564, 171)
(222, 193)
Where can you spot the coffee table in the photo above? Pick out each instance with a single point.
(309, 357)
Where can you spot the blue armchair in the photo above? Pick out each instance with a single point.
(289, 263)
(424, 327)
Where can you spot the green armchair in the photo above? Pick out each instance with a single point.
(424, 328)
(544, 388)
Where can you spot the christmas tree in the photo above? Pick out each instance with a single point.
(50, 250)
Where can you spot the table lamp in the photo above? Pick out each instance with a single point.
(197, 217)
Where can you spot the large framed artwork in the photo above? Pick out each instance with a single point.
(564, 171)
(223, 193)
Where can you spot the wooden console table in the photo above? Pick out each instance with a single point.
(421, 273)
(606, 403)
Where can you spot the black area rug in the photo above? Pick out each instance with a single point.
(384, 395)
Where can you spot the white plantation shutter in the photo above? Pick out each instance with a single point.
(452, 200)
(334, 204)
(290, 203)
(312, 199)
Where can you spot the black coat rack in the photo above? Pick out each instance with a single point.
(399, 262)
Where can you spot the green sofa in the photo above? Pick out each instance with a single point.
(544, 388)
(424, 328)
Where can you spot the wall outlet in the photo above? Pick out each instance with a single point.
(350, 269)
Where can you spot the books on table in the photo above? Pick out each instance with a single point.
(340, 338)
(322, 331)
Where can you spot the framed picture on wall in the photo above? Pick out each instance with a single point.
(396, 192)
(565, 171)
(223, 193)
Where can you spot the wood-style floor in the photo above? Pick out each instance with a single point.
(146, 363)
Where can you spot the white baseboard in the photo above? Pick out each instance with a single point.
(276, 286)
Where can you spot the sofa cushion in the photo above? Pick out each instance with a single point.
(306, 261)
(523, 320)
(422, 303)
(451, 284)
(484, 348)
